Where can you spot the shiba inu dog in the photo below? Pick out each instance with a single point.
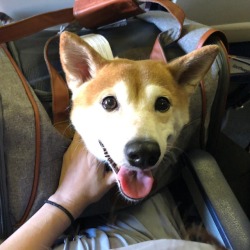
(127, 112)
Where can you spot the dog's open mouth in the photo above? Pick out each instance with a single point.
(134, 184)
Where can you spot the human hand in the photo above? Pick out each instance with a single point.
(83, 179)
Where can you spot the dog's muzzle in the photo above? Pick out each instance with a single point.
(135, 180)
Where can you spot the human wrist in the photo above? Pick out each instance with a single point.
(63, 209)
(74, 208)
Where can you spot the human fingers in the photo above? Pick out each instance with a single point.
(98, 181)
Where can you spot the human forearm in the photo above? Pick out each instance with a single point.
(40, 231)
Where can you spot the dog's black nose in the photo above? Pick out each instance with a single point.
(142, 153)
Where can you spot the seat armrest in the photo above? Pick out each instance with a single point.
(217, 205)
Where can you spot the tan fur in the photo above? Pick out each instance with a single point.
(134, 73)
(136, 85)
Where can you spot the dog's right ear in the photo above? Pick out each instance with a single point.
(189, 70)
(80, 61)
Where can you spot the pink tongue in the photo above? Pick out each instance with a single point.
(135, 184)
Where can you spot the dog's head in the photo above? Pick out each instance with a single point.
(128, 112)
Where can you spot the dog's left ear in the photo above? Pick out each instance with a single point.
(79, 60)
(189, 70)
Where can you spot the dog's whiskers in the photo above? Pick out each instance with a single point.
(110, 161)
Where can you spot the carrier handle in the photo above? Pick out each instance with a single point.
(93, 14)
(60, 95)
(90, 14)
(175, 10)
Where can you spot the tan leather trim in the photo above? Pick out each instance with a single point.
(201, 43)
(37, 139)
(93, 14)
(203, 113)
(60, 92)
(172, 8)
(208, 34)
(157, 52)
(29, 26)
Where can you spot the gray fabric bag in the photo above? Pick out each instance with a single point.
(32, 148)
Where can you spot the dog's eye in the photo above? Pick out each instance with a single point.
(109, 103)
(162, 104)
